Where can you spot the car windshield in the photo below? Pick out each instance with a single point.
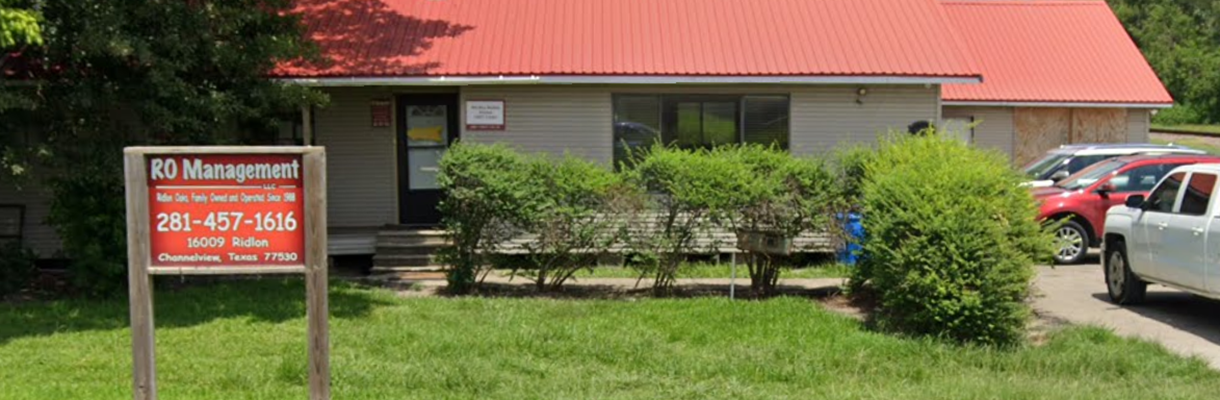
(1090, 175)
(1042, 168)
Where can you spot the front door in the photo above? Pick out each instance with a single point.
(427, 125)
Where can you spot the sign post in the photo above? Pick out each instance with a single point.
(220, 211)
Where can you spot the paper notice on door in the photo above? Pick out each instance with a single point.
(426, 134)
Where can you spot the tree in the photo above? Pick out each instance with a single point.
(114, 73)
(18, 24)
(1181, 40)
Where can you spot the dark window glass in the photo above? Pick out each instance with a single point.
(637, 123)
(1163, 198)
(698, 121)
(766, 120)
(1081, 162)
(1198, 194)
(1140, 179)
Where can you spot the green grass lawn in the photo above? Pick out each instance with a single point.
(707, 270)
(247, 341)
(1189, 128)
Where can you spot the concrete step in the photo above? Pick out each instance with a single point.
(427, 241)
(407, 249)
(386, 272)
(404, 260)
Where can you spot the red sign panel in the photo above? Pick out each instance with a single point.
(225, 210)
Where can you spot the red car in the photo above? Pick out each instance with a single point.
(1083, 198)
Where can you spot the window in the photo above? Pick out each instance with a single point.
(1162, 200)
(1198, 194)
(698, 121)
(1140, 179)
(1081, 162)
(958, 128)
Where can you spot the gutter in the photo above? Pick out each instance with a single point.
(620, 80)
(1056, 104)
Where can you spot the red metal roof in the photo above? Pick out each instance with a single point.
(1051, 51)
(429, 38)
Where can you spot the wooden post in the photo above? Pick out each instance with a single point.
(143, 354)
(307, 125)
(316, 275)
(140, 269)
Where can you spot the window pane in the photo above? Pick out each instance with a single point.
(688, 128)
(637, 123)
(1141, 179)
(1198, 194)
(720, 123)
(766, 120)
(1163, 198)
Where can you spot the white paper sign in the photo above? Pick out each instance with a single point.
(485, 115)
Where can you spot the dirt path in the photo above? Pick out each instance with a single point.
(1183, 323)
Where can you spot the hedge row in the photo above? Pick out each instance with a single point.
(654, 208)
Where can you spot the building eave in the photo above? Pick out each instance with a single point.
(1054, 104)
(620, 80)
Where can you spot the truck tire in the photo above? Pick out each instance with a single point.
(1071, 243)
(1123, 286)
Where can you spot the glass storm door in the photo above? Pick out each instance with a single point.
(428, 124)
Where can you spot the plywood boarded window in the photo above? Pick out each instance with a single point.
(1040, 129)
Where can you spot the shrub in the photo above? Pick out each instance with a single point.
(848, 168)
(88, 210)
(490, 192)
(785, 197)
(953, 238)
(686, 190)
(582, 215)
(16, 267)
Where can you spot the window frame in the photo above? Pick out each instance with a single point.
(1177, 196)
(664, 99)
(1185, 188)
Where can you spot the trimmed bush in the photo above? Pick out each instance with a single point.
(490, 193)
(686, 190)
(952, 241)
(582, 215)
(16, 267)
(785, 196)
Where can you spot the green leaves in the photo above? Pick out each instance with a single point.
(19, 25)
(952, 240)
(1181, 40)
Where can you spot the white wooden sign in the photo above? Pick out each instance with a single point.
(485, 115)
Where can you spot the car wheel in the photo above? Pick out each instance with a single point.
(1123, 286)
(1071, 243)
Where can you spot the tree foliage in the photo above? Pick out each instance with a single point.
(113, 73)
(1181, 40)
(19, 24)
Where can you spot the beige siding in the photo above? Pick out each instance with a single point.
(361, 161)
(1138, 125)
(579, 118)
(826, 116)
(994, 125)
(37, 201)
(551, 120)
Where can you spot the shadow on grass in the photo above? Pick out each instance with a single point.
(176, 305)
(610, 292)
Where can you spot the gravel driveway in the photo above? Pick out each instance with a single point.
(1183, 323)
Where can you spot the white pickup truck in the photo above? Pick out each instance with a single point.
(1171, 238)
